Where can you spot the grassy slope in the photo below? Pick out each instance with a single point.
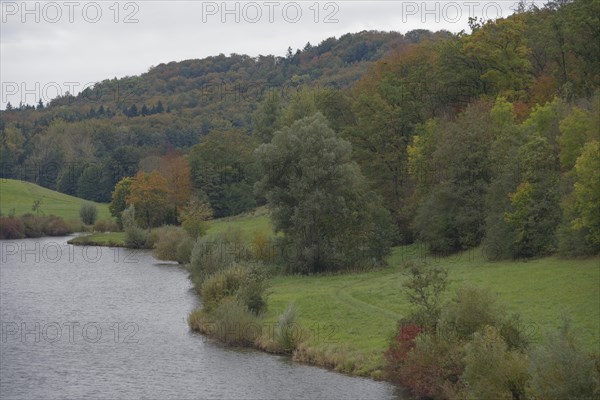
(20, 195)
(253, 222)
(351, 316)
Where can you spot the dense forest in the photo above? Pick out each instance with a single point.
(488, 137)
(109, 128)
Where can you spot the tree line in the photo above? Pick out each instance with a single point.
(458, 139)
(107, 129)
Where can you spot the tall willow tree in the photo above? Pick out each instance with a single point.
(318, 197)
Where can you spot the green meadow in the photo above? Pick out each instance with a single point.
(257, 221)
(349, 317)
(19, 196)
(354, 315)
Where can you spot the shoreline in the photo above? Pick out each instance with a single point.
(304, 354)
(200, 323)
(362, 292)
(102, 239)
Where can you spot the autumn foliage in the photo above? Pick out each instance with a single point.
(403, 343)
(150, 194)
(175, 168)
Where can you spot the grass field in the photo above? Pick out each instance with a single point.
(355, 314)
(253, 222)
(350, 317)
(20, 195)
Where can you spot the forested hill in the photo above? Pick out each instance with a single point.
(214, 87)
(491, 135)
(113, 124)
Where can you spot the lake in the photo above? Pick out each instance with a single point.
(98, 322)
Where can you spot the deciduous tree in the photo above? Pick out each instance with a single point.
(223, 167)
(150, 194)
(319, 199)
(119, 199)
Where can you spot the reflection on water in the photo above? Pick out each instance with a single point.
(111, 323)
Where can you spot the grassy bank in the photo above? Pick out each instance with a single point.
(350, 317)
(19, 196)
(110, 239)
(250, 223)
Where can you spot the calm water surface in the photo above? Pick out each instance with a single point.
(87, 322)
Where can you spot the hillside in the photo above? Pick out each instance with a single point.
(227, 87)
(19, 196)
(109, 128)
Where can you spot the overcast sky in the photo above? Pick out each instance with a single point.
(48, 47)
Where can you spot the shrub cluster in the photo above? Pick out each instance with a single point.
(104, 225)
(235, 324)
(473, 349)
(243, 283)
(286, 336)
(232, 282)
(135, 237)
(11, 228)
(215, 253)
(562, 370)
(171, 243)
(88, 213)
(222, 285)
(32, 226)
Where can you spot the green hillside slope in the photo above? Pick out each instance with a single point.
(20, 196)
